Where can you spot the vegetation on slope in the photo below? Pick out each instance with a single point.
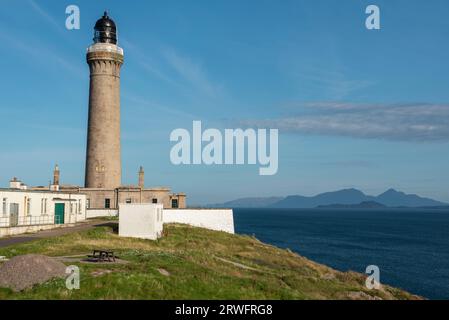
(192, 263)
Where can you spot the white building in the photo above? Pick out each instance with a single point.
(143, 221)
(23, 210)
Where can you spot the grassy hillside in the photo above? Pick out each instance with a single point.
(192, 263)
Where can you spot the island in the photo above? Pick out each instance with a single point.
(361, 205)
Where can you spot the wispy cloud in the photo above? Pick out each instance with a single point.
(174, 68)
(149, 63)
(140, 101)
(332, 82)
(40, 52)
(192, 72)
(396, 122)
(46, 16)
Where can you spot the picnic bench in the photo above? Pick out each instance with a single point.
(102, 256)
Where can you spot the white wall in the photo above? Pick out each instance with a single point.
(140, 220)
(11, 231)
(95, 213)
(214, 219)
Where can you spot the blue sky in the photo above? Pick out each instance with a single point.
(355, 108)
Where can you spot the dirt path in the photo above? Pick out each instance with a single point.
(9, 241)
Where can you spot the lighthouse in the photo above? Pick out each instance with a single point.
(103, 155)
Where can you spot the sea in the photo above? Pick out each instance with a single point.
(410, 246)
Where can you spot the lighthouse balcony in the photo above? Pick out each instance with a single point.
(102, 47)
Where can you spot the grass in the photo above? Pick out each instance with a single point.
(201, 264)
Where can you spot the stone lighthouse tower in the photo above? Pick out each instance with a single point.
(105, 58)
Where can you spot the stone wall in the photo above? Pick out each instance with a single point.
(131, 194)
(96, 198)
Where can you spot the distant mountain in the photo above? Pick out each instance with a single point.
(248, 203)
(390, 198)
(361, 205)
(393, 198)
(346, 196)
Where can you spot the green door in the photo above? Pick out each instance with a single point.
(59, 213)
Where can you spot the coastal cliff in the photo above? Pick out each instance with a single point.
(191, 263)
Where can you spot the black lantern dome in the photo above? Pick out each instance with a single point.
(105, 30)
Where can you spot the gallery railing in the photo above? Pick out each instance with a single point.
(14, 221)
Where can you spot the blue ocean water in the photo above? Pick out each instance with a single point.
(410, 246)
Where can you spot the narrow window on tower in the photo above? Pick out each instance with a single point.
(107, 203)
(174, 203)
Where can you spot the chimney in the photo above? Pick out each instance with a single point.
(56, 176)
(55, 185)
(141, 178)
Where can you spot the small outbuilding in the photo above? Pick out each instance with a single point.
(25, 210)
(141, 220)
